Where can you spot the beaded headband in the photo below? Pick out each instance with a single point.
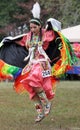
(35, 21)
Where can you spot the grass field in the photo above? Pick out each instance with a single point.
(17, 112)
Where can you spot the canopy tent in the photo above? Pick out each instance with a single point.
(72, 33)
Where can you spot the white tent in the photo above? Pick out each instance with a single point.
(72, 33)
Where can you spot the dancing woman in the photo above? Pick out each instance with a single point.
(49, 55)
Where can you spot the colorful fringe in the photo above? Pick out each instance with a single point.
(19, 86)
(8, 71)
(67, 59)
(13, 73)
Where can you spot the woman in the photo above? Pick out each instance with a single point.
(38, 81)
(49, 56)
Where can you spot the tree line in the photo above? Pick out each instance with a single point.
(15, 14)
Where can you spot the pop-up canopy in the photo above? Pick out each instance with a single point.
(72, 33)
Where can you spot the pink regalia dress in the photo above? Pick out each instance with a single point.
(38, 70)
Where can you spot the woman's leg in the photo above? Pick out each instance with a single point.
(46, 104)
(39, 108)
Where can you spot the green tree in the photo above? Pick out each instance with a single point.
(14, 13)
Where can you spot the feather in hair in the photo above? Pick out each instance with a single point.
(36, 10)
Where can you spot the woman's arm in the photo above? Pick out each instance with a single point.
(48, 37)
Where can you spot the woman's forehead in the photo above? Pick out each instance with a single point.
(33, 24)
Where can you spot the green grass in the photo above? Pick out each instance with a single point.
(17, 112)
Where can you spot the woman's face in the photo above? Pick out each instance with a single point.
(35, 29)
